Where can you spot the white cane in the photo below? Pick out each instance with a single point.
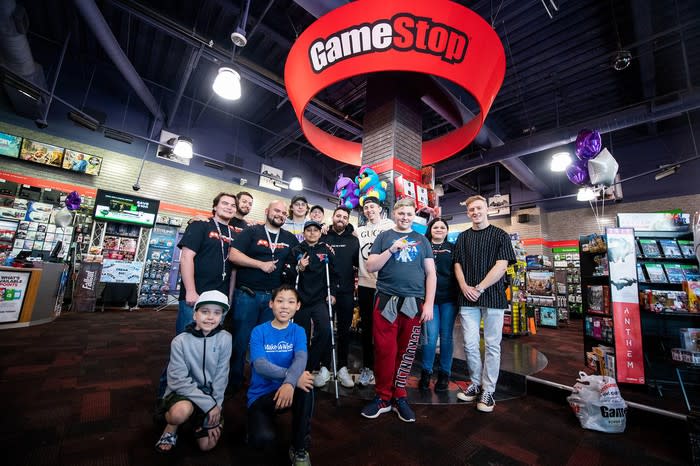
(330, 322)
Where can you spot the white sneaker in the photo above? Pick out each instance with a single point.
(322, 377)
(345, 378)
(366, 377)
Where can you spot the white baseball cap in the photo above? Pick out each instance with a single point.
(212, 297)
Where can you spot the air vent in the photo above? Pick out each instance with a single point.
(214, 165)
(118, 136)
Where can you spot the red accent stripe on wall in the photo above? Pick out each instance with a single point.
(91, 192)
(567, 243)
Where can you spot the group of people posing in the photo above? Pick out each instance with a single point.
(287, 280)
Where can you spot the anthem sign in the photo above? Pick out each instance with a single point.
(438, 37)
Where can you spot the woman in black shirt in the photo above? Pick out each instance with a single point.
(444, 310)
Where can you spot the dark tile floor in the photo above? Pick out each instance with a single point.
(80, 391)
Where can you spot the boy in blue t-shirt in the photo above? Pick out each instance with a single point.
(279, 380)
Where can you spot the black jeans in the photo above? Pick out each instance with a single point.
(365, 297)
(344, 306)
(261, 417)
(318, 346)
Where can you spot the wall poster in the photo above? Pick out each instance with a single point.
(13, 289)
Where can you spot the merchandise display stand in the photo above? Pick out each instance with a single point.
(666, 269)
(567, 272)
(598, 334)
(155, 286)
(515, 322)
(541, 295)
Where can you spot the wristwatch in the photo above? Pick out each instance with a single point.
(479, 289)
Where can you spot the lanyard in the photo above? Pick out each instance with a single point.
(272, 245)
(221, 241)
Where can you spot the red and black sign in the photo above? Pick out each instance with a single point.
(437, 37)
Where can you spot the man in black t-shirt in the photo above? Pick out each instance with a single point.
(204, 264)
(481, 256)
(259, 253)
(244, 202)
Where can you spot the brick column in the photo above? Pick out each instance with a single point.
(392, 138)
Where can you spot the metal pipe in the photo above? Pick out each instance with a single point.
(97, 23)
(191, 65)
(42, 121)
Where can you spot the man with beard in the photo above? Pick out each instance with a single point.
(259, 253)
(245, 203)
(347, 248)
(204, 264)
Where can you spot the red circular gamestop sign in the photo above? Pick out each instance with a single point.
(436, 37)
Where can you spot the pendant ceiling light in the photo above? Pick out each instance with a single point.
(560, 161)
(296, 184)
(227, 84)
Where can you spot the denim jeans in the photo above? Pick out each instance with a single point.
(248, 311)
(493, 331)
(442, 324)
(185, 316)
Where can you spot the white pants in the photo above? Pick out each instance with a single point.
(493, 331)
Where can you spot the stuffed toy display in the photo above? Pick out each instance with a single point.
(370, 185)
(347, 192)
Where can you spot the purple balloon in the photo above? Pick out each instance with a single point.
(73, 201)
(577, 172)
(588, 144)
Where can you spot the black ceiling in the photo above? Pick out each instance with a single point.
(559, 70)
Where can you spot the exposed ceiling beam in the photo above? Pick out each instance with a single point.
(656, 110)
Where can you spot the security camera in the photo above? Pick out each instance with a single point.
(136, 186)
(41, 123)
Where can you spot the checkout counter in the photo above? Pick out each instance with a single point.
(31, 296)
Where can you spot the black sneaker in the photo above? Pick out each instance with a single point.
(443, 382)
(404, 411)
(470, 394)
(424, 383)
(375, 408)
(486, 402)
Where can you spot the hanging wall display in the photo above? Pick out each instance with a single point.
(270, 177)
(82, 163)
(42, 153)
(10, 145)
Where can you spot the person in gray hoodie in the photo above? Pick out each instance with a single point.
(197, 375)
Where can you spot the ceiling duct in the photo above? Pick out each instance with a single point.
(97, 23)
(16, 55)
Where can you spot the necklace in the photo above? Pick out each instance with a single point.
(221, 242)
(272, 245)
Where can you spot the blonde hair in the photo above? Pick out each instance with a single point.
(405, 202)
(474, 198)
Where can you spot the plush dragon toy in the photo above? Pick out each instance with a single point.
(347, 192)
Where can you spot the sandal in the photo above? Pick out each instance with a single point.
(168, 438)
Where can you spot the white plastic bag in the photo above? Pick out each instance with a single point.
(597, 403)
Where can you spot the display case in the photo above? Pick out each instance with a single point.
(541, 297)
(155, 286)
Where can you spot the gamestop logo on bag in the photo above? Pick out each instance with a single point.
(597, 403)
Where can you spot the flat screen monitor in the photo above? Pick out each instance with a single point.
(125, 208)
(10, 145)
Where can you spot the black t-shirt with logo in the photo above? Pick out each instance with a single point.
(238, 224)
(253, 242)
(203, 238)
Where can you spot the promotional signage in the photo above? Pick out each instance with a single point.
(439, 38)
(116, 271)
(624, 295)
(13, 288)
(125, 208)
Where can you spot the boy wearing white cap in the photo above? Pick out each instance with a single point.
(197, 395)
